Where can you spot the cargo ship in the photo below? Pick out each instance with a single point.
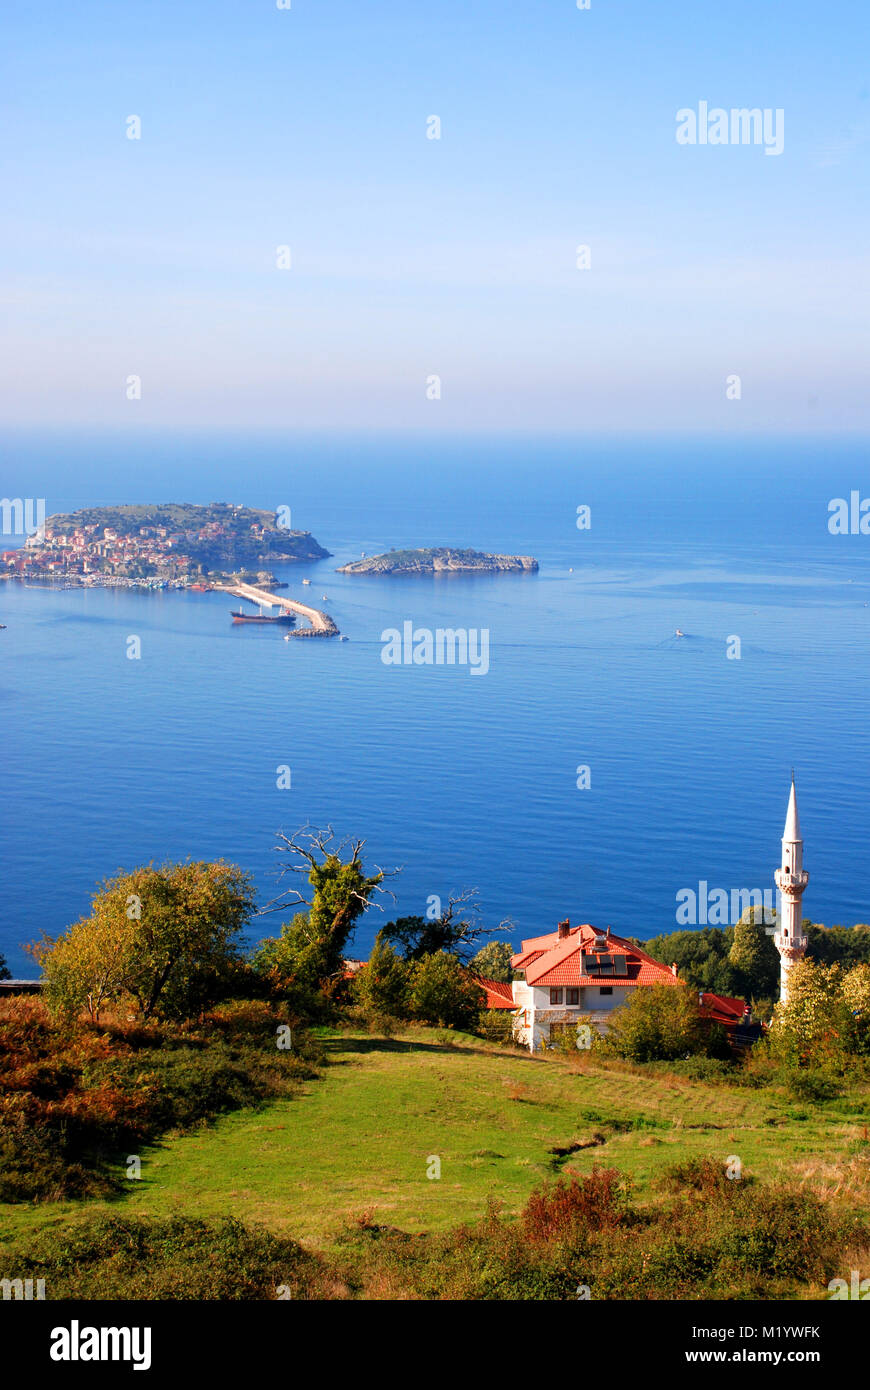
(285, 619)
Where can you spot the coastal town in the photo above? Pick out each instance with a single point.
(170, 546)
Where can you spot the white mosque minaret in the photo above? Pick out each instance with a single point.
(791, 880)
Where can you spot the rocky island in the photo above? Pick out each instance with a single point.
(174, 544)
(437, 561)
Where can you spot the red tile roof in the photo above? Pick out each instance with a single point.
(498, 994)
(723, 1008)
(558, 960)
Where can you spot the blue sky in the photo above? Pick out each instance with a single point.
(413, 257)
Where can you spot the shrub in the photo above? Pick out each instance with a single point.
(704, 1175)
(179, 1258)
(556, 1209)
(496, 1025)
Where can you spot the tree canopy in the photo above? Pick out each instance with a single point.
(455, 929)
(493, 961)
(166, 938)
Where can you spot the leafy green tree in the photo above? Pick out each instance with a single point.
(816, 1026)
(308, 954)
(493, 961)
(443, 992)
(383, 985)
(754, 957)
(662, 1023)
(5, 972)
(456, 930)
(166, 937)
(701, 957)
(845, 945)
(856, 993)
(89, 965)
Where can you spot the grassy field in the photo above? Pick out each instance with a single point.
(359, 1140)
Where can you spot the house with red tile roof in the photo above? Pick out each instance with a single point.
(577, 974)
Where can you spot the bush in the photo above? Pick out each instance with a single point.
(496, 1025)
(704, 1175)
(558, 1208)
(812, 1083)
(179, 1258)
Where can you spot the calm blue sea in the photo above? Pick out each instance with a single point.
(463, 781)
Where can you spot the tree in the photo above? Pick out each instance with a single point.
(816, 1026)
(701, 957)
(383, 985)
(308, 954)
(754, 956)
(493, 961)
(661, 1023)
(89, 965)
(166, 937)
(846, 945)
(5, 972)
(856, 993)
(443, 992)
(456, 930)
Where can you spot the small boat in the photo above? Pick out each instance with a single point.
(306, 581)
(287, 636)
(342, 638)
(679, 632)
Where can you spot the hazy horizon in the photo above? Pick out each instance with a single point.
(413, 257)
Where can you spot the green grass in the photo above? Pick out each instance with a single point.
(358, 1140)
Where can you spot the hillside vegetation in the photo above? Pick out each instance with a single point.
(603, 1174)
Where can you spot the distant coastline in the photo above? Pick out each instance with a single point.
(169, 545)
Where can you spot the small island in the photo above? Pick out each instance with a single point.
(169, 545)
(440, 560)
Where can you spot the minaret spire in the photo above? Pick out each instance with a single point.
(791, 880)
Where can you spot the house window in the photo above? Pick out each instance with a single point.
(606, 989)
(572, 996)
(555, 996)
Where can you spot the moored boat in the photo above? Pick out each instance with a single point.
(287, 619)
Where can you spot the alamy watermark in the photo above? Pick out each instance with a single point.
(446, 646)
(849, 518)
(739, 126)
(716, 907)
(22, 516)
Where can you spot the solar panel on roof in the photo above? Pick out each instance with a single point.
(620, 965)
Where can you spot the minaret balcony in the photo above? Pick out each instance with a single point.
(791, 883)
(790, 946)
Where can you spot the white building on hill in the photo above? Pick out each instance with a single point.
(575, 974)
